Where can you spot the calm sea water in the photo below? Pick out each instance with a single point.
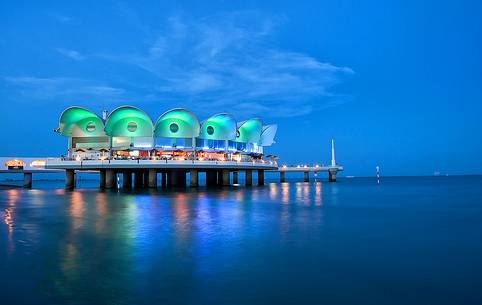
(405, 241)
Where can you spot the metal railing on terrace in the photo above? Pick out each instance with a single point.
(166, 161)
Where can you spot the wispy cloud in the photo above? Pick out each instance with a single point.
(62, 18)
(72, 54)
(66, 89)
(227, 61)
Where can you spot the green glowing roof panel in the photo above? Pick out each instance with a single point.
(219, 127)
(249, 131)
(80, 122)
(177, 123)
(128, 121)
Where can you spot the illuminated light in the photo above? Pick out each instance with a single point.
(78, 158)
(284, 166)
(134, 153)
(102, 158)
(317, 166)
(38, 164)
(15, 164)
(297, 166)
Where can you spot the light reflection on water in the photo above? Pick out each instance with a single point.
(305, 242)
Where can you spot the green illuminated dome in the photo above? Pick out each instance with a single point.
(177, 123)
(80, 122)
(267, 135)
(219, 127)
(128, 121)
(249, 131)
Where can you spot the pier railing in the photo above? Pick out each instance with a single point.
(85, 164)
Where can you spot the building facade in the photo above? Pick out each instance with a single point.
(129, 133)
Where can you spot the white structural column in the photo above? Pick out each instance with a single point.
(333, 161)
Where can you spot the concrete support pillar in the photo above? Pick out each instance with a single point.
(69, 179)
(211, 177)
(282, 176)
(127, 178)
(225, 175)
(138, 179)
(176, 178)
(249, 177)
(332, 175)
(235, 177)
(181, 178)
(145, 174)
(27, 180)
(102, 178)
(193, 178)
(152, 178)
(307, 176)
(171, 178)
(220, 177)
(164, 179)
(260, 176)
(110, 178)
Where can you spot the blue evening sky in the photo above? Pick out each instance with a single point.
(396, 83)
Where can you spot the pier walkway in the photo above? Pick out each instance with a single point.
(147, 173)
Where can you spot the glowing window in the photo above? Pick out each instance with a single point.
(90, 127)
(174, 127)
(132, 126)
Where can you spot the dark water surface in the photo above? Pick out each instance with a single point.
(406, 241)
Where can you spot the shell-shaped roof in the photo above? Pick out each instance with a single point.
(268, 133)
(128, 121)
(249, 131)
(177, 123)
(219, 127)
(80, 122)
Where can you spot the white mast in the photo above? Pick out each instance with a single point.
(333, 162)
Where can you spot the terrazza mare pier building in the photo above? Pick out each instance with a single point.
(127, 145)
